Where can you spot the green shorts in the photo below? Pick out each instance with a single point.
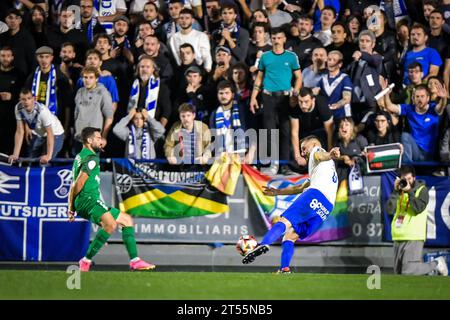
(92, 209)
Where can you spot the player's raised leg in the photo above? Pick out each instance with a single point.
(129, 240)
(109, 225)
(277, 230)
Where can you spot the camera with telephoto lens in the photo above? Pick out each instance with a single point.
(403, 183)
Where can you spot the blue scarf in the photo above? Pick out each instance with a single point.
(151, 96)
(234, 30)
(50, 97)
(145, 147)
(90, 28)
(223, 124)
(125, 45)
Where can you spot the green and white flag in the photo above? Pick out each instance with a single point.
(382, 158)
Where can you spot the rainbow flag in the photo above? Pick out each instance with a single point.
(157, 191)
(337, 225)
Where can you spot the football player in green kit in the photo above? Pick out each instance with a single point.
(85, 200)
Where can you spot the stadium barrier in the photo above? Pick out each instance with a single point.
(34, 227)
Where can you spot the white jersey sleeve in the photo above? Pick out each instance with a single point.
(323, 176)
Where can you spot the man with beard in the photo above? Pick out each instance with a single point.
(143, 30)
(85, 200)
(89, 24)
(231, 34)
(305, 43)
(197, 39)
(428, 57)
(229, 121)
(312, 74)
(51, 87)
(149, 92)
(66, 32)
(11, 80)
(160, 53)
(121, 48)
(423, 119)
(20, 40)
(311, 116)
(172, 26)
(68, 66)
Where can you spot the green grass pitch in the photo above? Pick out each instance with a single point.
(217, 285)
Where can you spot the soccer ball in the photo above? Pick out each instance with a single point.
(245, 244)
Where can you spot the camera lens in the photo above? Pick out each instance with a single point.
(403, 183)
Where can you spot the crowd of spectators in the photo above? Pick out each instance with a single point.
(158, 76)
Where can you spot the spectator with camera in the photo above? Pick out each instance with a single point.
(408, 203)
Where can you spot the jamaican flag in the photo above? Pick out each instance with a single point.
(382, 158)
(162, 191)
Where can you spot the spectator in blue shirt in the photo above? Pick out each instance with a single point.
(318, 6)
(423, 119)
(428, 57)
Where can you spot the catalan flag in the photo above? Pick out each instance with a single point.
(337, 225)
(157, 191)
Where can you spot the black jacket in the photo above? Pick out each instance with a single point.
(365, 74)
(386, 45)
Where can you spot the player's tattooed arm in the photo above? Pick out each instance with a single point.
(334, 154)
(75, 189)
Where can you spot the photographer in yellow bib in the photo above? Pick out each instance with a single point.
(408, 203)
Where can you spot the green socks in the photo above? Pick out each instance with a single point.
(100, 239)
(129, 241)
(102, 236)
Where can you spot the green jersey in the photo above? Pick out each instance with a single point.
(89, 162)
